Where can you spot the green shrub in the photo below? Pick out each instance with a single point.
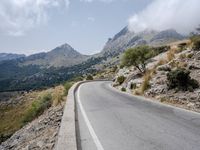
(76, 79)
(180, 79)
(121, 79)
(89, 77)
(190, 55)
(133, 86)
(38, 107)
(123, 89)
(196, 42)
(67, 86)
(121, 66)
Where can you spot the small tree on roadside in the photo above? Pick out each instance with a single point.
(137, 57)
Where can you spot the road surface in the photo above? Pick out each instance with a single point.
(112, 120)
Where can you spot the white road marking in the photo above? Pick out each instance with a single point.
(91, 130)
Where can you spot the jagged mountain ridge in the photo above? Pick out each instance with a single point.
(126, 39)
(10, 56)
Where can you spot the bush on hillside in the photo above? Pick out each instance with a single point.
(196, 42)
(89, 77)
(121, 79)
(67, 86)
(38, 107)
(123, 89)
(180, 79)
(133, 86)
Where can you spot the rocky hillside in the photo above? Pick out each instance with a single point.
(172, 77)
(31, 120)
(41, 134)
(9, 56)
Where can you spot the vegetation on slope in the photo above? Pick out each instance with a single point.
(28, 107)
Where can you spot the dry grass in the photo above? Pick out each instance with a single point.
(182, 65)
(137, 92)
(171, 54)
(58, 95)
(12, 117)
(161, 62)
(174, 64)
(145, 84)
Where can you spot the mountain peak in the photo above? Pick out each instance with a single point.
(65, 49)
(65, 46)
(123, 32)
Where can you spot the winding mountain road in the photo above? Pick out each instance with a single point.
(112, 120)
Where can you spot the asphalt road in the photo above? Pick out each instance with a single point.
(112, 120)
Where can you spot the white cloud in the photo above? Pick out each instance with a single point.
(19, 16)
(182, 15)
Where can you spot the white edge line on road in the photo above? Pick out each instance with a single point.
(90, 128)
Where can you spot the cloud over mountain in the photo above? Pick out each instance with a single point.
(18, 16)
(182, 15)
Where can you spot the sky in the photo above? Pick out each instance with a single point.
(32, 26)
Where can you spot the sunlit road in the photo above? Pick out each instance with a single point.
(112, 120)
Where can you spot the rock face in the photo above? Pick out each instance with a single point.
(41, 134)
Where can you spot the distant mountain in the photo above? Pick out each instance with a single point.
(9, 56)
(126, 39)
(44, 69)
(62, 56)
